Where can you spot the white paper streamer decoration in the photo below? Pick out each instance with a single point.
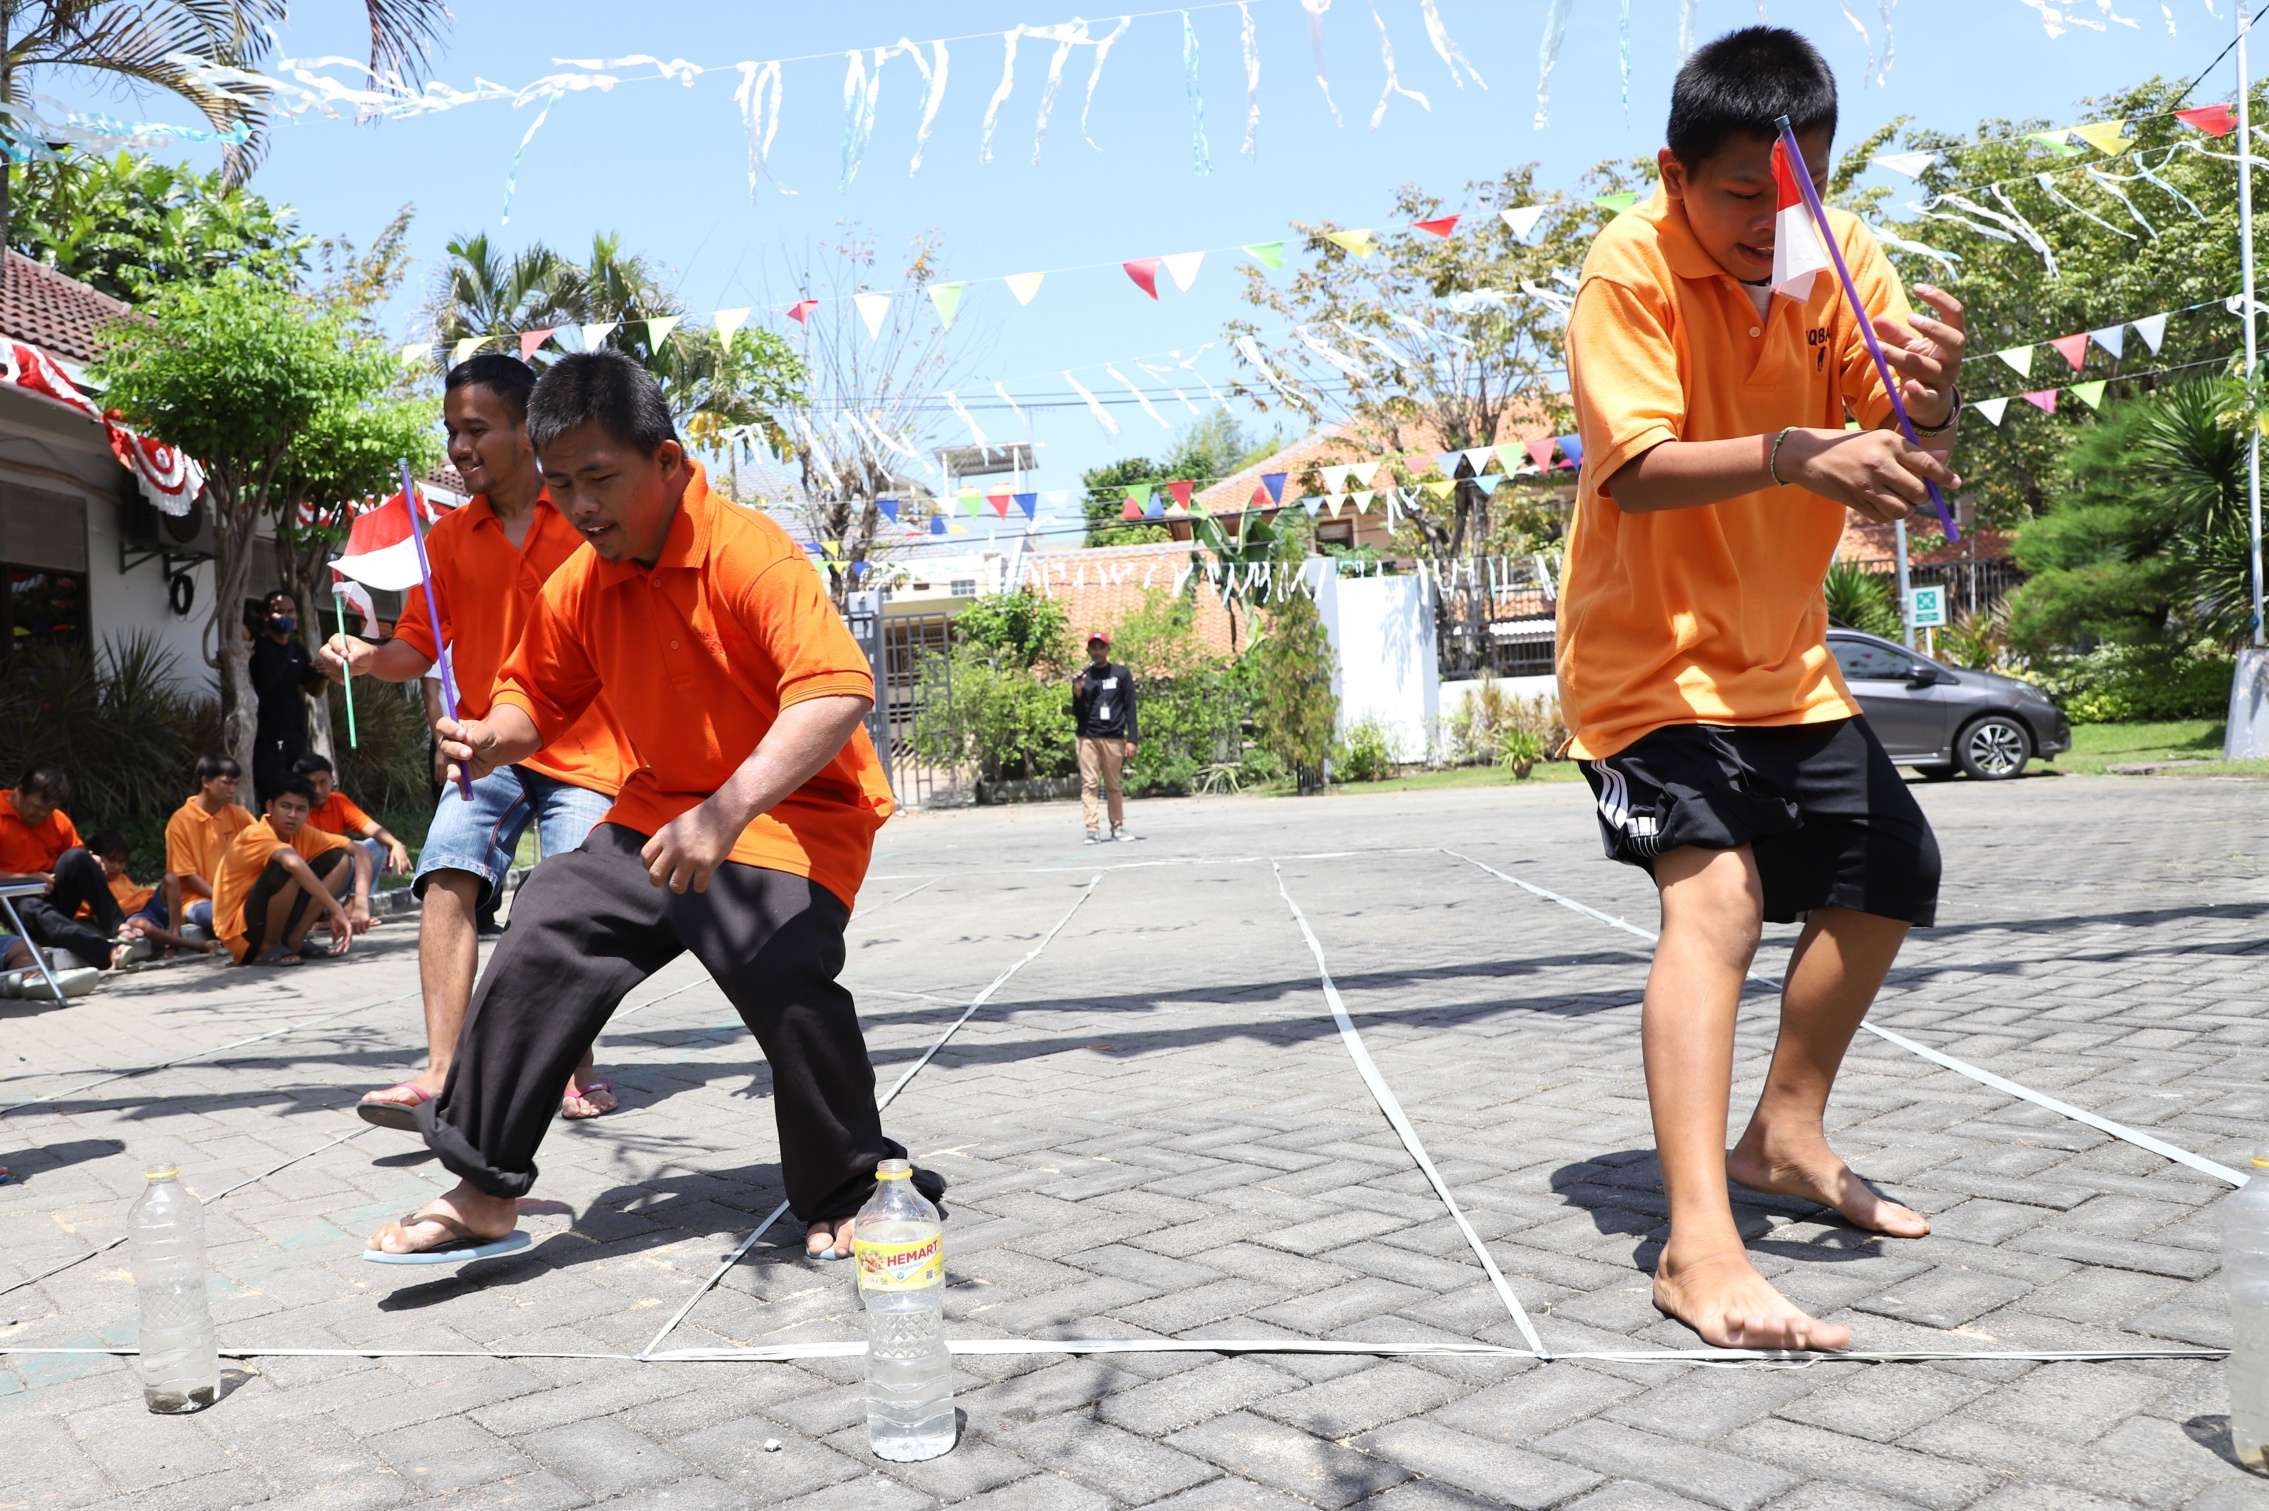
(759, 100)
(1547, 57)
(1445, 48)
(1252, 53)
(1140, 397)
(1201, 155)
(1103, 417)
(1393, 85)
(961, 412)
(1315, 10)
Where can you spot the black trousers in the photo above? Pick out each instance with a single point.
(54, 919)
(588, 926)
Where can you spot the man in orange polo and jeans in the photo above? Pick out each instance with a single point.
(490, 560)
(742, 835)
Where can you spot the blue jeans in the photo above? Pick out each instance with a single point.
(480, 836)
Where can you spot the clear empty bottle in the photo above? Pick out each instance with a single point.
(165, 1240)
(900, 1249)
(2245, 1272)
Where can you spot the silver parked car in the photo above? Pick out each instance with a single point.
(1939, 720)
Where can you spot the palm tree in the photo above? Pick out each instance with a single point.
(133, 42)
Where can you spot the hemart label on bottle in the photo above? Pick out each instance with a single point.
(900, 1266)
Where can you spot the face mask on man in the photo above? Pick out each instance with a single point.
(282, 624)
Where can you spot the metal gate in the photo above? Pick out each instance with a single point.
(911, 657)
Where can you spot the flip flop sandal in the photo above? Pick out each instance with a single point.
(584, 1091)
(463, 1246)
(399, 1116)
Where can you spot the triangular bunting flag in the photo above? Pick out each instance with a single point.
(1438, 487)
(1509, 454)
(1359, 242)
(1133, 510)
(938, 525)
(1000, 503)
(1618, 202)
(2214, 120)
(1269, 254)
(1521, 219)
(729, 322)
(2042, 399)
(1491, 482)
(1181, 488)
(1182, 267)
(1274, 483)
(889, 508)
(2112, 338)
(946, 297)
(2073, 349)
(1440, 225)
(1448, 462)
(530, 340)
(1028, 502)
(1361, 499)
(872, 308)
(2090, 394)
(1991, 409)
(2153, 330)
(658, 330)
(799, 309)
(1139, 494)
(1540, 451)
(466, 348)
(2018, 357)
(595, 335)
(858, 569)
(971, 503)
(1024, 285)
(2107, 137)
(1906, 164)
(2054, 141)
(416, 353)
(1311, 503)
(1572, 447)
(1478, 457)
(1332, 501)
(1144, 272)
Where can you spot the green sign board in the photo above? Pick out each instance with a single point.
(1929, 607)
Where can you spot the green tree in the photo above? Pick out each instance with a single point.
(1294, 708)
(1191, 699)
(259, 383)
(1106, 501)
(999, 703)
(127, 224)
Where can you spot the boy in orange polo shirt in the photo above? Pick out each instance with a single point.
(144, 907)
(490, 560)
(742, 835)
(197, 836)
(38, 842)
(336, 813)
(278, 874)
(1727, 757)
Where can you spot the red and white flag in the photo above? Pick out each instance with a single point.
(1798, 254)
(379, 551)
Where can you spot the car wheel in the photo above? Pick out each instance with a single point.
(1936, 773)
(1993, 748)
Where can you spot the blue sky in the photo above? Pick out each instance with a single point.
(665, 165)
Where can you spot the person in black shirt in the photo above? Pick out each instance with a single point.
(1103, 714)
(282, 676)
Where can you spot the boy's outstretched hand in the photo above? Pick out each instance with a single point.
(1927, 352)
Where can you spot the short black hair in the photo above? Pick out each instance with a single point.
(1741, 85)
(295, 786)
(46, 782)
(210, 766)
(509, 378)
(308, 765)
(109, 842)
(606, 389)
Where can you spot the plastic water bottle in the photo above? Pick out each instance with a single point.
(2245, 1271)
(165, 1232)
(900, 1249)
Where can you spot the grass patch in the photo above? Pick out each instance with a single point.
(2096, 748)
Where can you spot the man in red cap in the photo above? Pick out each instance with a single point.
(1103, 712)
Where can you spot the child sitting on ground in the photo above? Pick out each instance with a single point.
(143, 908)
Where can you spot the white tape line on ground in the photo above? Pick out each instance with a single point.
(1173, 860)
(1385, 1097)
(142, 1070)
(1976, 1073)
(881, 1102)
(786, 1352)
(250, 1180)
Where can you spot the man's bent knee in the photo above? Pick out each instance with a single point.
(1715, 895)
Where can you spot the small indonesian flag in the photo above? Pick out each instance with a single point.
(1797, 252)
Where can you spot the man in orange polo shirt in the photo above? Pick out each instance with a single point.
(490, 559)
(197, 836)
(38, 842)
(278, 874)
(743, 834)
(336, 813)
(1728, 760)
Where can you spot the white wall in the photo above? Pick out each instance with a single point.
(1386, 668)
(124, 603)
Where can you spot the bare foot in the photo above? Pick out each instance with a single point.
(829, 1239)
(486, 1217)
(586, 1099)
(1723, 1298)
(1810, 1171)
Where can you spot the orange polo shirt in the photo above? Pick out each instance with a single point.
(488, 588)
(698, 656)
(196, 840)
(246, 857)
(130, 897)
(28, 849)
(1711, 615)
(340, 814)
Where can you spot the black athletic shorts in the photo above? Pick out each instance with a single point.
(274, 878)
(1827, 815)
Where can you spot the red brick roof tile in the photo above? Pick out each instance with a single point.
(54, 311)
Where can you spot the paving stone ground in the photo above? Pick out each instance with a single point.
(1154, 1130)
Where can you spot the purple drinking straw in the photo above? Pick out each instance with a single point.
(1796, 170)
(433, 611)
